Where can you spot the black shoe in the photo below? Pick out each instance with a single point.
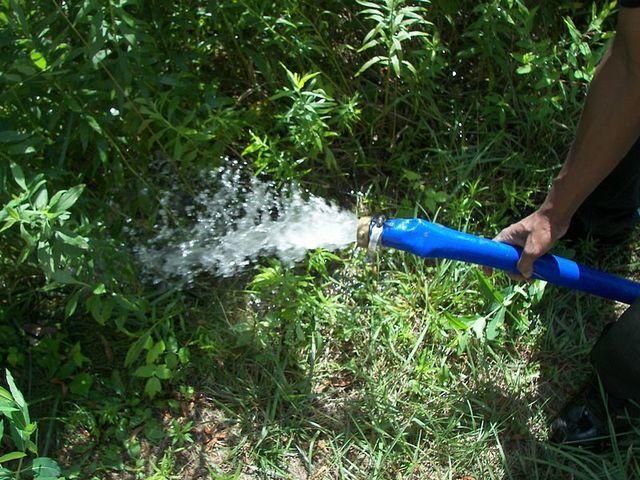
(584, 421)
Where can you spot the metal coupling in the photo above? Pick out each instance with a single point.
(369, 232)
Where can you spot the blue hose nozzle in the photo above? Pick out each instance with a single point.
(428, 239)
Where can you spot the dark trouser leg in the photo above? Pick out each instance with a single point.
(616, 355)
(611, 210)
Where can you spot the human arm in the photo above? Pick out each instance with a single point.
(609, 126)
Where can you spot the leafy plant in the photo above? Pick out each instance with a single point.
(395, 24)
(43, 224)
(453, 110)
(21, 429)
(314, 117)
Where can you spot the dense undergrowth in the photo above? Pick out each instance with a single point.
(453, 110)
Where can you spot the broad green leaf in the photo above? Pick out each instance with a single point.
(155, 351)
(72, 303)
(17, 395)
(584, 49)
(30, 428)
(65, 199)
(13, 213)
(38, 59)
(284, 21)
(368, 45)
(410, 67)
(536, 290)
(455, 322)
(152, 387)
(397, 46)
(45, 258)
(75, 241)
(6, 408)
(100, 309)
(163, 372)
(41, 200)
(64, 277)
(573, 31)
(25, 68)
(77, 356)
(368, 4)
(4, 393)
(144, 371)
(81, 384)
(18, 175)
(183, 355)
(31, 447)
(372, 33)
(135, 349)
(395, 63)
(99, 56)
(44, 468)
(93, 123)
(302, 82)
(441, 197)
(154, 430)
(369, 64)
(524, 69)
(371, 11)
(12, 456)
(478, 326)
(27, 237)
(10, 222)
(171, 360)
(495, 323)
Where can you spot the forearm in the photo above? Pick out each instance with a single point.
(609, 126)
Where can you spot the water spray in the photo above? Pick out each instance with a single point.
(427, 239)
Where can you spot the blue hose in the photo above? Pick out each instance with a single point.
(428, 239)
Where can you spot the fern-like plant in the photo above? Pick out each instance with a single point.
(395, 24)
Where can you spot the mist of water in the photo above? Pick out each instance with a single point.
(234, 219)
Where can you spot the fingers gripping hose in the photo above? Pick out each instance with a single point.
(428, 239)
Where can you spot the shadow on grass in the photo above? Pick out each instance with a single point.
(572, 324)
(258, 412)
(276, 401)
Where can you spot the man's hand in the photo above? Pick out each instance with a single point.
(536, 234)
(609, 126)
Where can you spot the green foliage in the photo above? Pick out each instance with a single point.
(310, 113)
(45, 229)
(395, 23)
(23, 462)
(458, 111)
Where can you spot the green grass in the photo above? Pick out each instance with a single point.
(334, 368)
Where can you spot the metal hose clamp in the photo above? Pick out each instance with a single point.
(375, 229)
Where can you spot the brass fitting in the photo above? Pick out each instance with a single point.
(363, 232)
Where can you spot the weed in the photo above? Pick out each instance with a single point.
(456, 111)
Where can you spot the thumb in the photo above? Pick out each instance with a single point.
(515, 234)
(529, 255)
